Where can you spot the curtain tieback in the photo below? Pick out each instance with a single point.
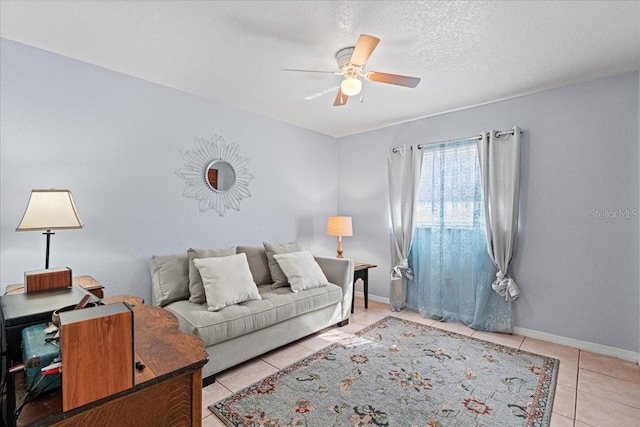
(506, 287)
(402, 269)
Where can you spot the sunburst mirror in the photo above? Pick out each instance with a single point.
(216, 175)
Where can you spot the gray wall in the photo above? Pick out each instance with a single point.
(115, 142)
(578, 273)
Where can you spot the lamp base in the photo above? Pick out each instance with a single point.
(48, 279)
(339, 247)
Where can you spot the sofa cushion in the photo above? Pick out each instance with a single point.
(278, 277)
(233, 321)
(302, 270)
(257, 257)
(196, 289)
(227, 280)
(170, 277)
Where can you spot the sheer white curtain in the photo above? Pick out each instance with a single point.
(499, 157)
(404, 165)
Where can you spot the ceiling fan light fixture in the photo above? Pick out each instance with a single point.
(351, 86)
(351, 63)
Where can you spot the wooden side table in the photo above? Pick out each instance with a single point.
(361, 271)
(87, 282)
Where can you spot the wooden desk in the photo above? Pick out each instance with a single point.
(87, 282)
(168, 391)
(361, 271)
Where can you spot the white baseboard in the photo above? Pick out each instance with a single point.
(374, 297)
(606, 350)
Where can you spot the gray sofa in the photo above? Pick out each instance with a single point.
(242, 331)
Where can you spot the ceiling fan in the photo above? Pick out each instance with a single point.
(351, 62)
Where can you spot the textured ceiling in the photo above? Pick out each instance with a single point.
(466, 52)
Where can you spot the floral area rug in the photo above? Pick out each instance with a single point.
(401, 373)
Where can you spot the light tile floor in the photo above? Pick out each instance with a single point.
(592, 390)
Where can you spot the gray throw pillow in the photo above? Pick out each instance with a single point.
(170, 278)
(196, 288)
(278, 277)
(227, 281)
(258, 264)
(302, 270)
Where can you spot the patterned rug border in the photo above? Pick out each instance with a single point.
(545, 389)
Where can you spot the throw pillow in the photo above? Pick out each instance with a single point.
(302, 270)
(170, 277)
(278, 277)
(196, 289)
(258, 263)
(227, 280)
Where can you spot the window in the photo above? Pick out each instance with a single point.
(450, 186)
(452, 270)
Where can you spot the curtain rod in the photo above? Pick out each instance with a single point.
(478, 137)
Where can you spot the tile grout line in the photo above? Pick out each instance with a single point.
(608, 375)
(575, 401)
(612, 401)
(613, 377)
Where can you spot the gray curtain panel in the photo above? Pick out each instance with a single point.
(499, 158)
(404, 164)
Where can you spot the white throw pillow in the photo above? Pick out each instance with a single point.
(278, 277)
(196, 288)
(302, 270)
(227, 280)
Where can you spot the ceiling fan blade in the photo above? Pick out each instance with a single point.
(394, 79)
(341, 99)
(365, 46)
(313, 71)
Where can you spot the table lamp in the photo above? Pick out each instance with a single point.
(339, 226)
(50, 210)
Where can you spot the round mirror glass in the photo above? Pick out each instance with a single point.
(220, 175)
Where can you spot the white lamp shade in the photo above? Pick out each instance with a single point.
(50, 210)
(339, 226)
(351, 86)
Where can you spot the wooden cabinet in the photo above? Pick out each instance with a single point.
(168, 391)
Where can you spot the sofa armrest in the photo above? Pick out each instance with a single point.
(339, 271)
